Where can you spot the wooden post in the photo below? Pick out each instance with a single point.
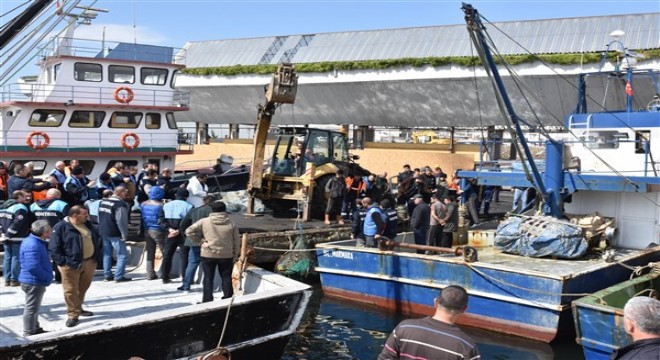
(311, 184)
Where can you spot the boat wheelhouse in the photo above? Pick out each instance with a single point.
(98, 105)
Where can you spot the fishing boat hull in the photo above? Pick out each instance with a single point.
(508, 294)
(599, 318)
(259, 325)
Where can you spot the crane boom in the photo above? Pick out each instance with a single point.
(14, 27)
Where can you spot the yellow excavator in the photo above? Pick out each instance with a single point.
(303, 160)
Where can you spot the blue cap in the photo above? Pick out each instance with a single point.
(156, 193)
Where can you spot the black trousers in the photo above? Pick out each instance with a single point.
(435, 235)
(224, 267)
(447, 239)
(170, 249)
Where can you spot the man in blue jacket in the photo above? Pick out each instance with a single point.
(51, 209)
(36, 274)
(155, 234)
(170, 219)
(76, 249)
(14, 227)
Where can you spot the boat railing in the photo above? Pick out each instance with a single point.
(491, 159)
(95, 140)
(114, 50)
(70, 95)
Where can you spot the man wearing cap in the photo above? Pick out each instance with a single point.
(170, 219)
(434, 337)
(155, 233)
(105, 183)
(113, 228)
(194, 253)
(374, 221)
(420, 221)
(77, 187)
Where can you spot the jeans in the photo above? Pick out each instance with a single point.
(153, 239)
(33, 296)
(12, 265)
(116, 243)
(519, 196)
(224, 266)
(194, 258)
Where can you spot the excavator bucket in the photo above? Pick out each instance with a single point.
(283, 85)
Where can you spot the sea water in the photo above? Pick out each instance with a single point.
(339, 329)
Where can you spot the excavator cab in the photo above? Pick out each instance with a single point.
(296, 147)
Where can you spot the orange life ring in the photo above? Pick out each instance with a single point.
(42, 145)
(124, 99)
(127, 146)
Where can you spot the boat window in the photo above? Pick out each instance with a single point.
(153, 76)
(47, 117)
(174, 76)
(87, 165)
(601, 140)
(171, 123)
(39, 166)
(88, 72)
(641, 140)
(153, 121)
(127, 163)
(121, 74)
(56, 71)
(86, 119)
(125, 120)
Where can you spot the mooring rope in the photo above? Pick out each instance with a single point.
(282, 250)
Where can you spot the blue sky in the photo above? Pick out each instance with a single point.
(173, 23)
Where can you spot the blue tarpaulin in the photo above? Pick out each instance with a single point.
(540, 237)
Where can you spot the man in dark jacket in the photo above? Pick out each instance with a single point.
(641, 320)
(77, 187)
(113, 229)
(420, 221)
(194, 254)
(22, 180)
(76, 248)
(357, 223)
(35, 275)
(14, 227)
(336, 190)
(391, 219)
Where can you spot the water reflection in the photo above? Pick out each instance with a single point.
(336, 329)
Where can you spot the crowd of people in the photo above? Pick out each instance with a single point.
(61, 228)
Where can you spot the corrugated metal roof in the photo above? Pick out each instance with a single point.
(568, 35)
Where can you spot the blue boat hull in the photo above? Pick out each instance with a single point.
(599, 318)
(503, 297)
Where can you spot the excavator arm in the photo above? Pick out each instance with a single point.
(281, 90)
